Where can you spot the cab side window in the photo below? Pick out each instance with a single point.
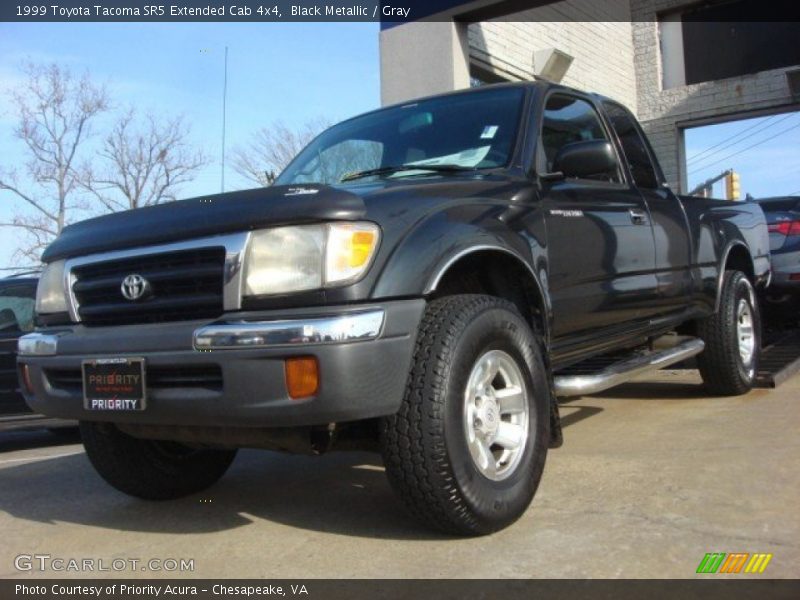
(568, 119)
(633, 145)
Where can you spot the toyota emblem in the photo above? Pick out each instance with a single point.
(135, 287)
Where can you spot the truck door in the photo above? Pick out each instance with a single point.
(670, 226)
(600, 244)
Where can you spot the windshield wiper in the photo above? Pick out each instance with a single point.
(401, 168)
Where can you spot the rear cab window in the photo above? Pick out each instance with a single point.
(634, 146)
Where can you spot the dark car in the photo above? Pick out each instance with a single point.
(416, 280)
(783, 221)
(17, 298)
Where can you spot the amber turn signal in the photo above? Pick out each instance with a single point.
(302, 376)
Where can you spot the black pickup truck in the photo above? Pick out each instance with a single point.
(421, 280)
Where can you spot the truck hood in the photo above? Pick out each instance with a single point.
(385, 201)
(205, 216)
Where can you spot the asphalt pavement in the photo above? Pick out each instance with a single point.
(652, 476)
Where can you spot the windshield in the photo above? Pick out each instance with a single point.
(463, 131)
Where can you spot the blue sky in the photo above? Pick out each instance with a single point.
(293, 72)
(764, 151)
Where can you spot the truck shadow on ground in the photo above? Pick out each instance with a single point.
(344, 493)
(646, 391)
(341, 493)
(655, 390)
(573, 413)
(37, 438)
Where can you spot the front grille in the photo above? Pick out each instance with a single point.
(184, 285)
(207, 377)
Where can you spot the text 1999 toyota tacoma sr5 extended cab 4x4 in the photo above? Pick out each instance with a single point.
(417, 280)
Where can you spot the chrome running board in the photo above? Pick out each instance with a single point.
(626, 369)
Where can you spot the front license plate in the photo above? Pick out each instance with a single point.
(114, 384)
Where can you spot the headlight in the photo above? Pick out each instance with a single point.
(307, 257)
(50, 293)
(284, 259)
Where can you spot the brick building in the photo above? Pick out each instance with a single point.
(676, 65)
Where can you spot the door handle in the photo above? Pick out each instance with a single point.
(638, 217)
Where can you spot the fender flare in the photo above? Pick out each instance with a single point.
(444, 266)
(723, 261)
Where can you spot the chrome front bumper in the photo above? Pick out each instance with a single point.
(37, 344)
(336, 329)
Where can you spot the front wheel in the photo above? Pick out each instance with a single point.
(150, 469)
(467, 449)
(732, 336)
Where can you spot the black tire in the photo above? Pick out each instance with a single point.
(721, 365)
(425, 445)
(150, 469)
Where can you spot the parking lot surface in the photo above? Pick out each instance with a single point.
(652, 476)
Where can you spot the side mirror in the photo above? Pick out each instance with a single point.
(586, 159)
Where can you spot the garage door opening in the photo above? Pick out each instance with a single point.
(747, 158)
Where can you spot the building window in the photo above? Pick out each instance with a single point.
(479, 76)
(707, 43)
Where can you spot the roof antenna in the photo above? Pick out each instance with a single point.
(224, 100)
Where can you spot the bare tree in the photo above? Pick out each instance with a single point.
(55, 113)
(145, 163)
(272, 148)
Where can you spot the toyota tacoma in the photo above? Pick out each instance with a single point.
(424, 280)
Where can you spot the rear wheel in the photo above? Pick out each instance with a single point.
(732, 336)
(466, 451)
(150, 469)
